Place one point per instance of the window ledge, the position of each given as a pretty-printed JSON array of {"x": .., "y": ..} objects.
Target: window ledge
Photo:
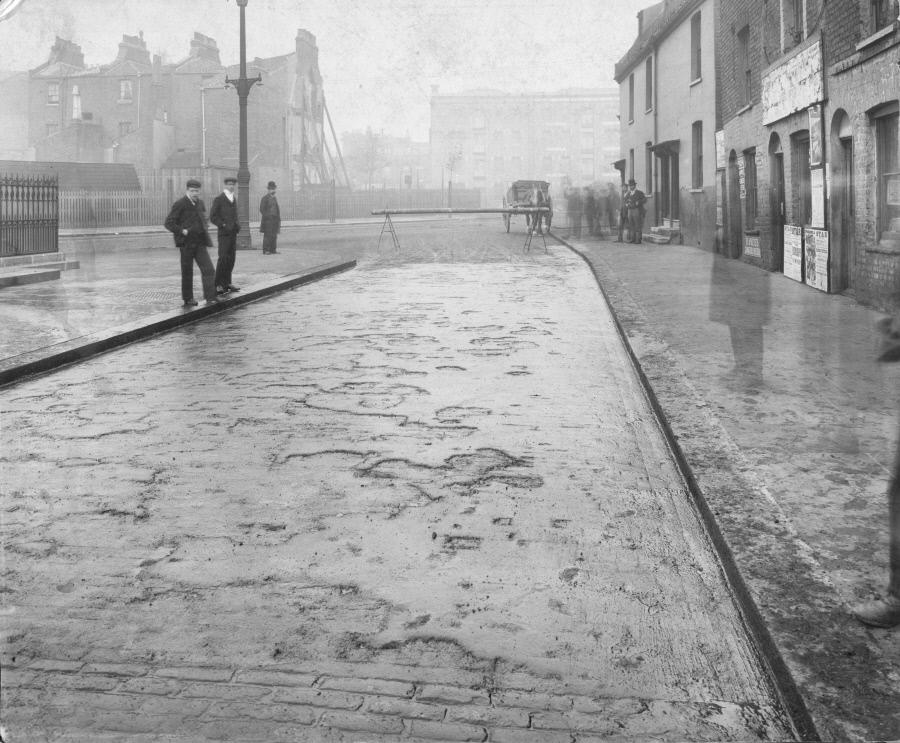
[
  {"x": 880, "y": 34},
  {"x": 696, "y": 82},
  {"x": 884, "y": 248},
  {"x": 52, "y": 103},
  {"x": 695, "y": 190},
  {"x": 744, "y": 110},
  {"x": 751, "y": 233},
  {"x": 125, "y": 100}
]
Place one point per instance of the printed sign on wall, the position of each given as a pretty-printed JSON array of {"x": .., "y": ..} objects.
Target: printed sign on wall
[
  {"x": 793, "y": 252},
  {"x": 815, "y": 245},
  {"x": 751, "y": 246},
  {"x": 817, "y": 196},
  {"x": 815, "y": 135},
  {"x": 720, "y": 150},
  {"x": 793, "y": 85}
]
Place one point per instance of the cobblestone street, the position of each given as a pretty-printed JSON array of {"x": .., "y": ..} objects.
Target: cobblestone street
[{"x": 426, "y": 499}]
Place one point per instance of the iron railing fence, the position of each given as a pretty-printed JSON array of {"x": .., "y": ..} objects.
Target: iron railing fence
[{"x": 29, "y": 215}]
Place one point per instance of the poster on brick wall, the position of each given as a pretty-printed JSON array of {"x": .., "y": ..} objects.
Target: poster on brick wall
[
  {"x": 751, "y": 246},
  {"x": 793, "y": 252},
  {"x": 815, "y": 246},
  {"x": 817, "y": 196}
]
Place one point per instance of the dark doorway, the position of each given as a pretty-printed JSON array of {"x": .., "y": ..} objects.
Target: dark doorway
[{"x": 776, "y": 202}]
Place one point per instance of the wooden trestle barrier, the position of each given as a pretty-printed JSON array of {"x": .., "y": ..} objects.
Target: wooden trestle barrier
[{"x": 389, "y": 224}]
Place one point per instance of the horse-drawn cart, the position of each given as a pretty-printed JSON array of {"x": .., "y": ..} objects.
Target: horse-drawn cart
[{"x": 528, "y": 193}]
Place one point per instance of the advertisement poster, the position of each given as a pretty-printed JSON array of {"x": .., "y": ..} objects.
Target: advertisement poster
[
  {"x": 721, "y": 161},
  {"x": 815, "y": 135},
  {"x": 793, "y": 85},
  {"x": 751, "y": 246},
  {"x": 817, "y": 196},
  {"x": 815, "y": 244},
  {"x": 793, "y": 252},
  {"x": 893, "y": 191}
]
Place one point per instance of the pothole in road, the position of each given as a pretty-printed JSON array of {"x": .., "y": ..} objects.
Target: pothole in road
[{"x": 456, "y": 542}]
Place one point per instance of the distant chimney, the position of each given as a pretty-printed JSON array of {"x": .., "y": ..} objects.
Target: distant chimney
[
  {"x": 307, "y": 52},
  {"x": 67, "y": 52},
  {"x": 640, "y": 17},
  {"x": 133, "y": 49},
  {"x": 205, "y": 47}
]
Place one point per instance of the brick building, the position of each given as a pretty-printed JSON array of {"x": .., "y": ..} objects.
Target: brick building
[
  {"x": 807, "y": 155},
  {"x": 667, "y": 115},
  {"x": 170, "y": 120},
  {"x": 489, "y": 139}
]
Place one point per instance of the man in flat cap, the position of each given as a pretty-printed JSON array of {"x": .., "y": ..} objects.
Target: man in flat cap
[
  {"x": 187, "y": 222},
  {"x": 224, "y": 215},
  {"x": 270, "y": 220}
]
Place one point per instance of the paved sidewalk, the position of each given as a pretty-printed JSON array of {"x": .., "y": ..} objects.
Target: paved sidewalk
[
  {"x": 127, "y": 274},
  {"x": 417, "y": 501},
  {"x": 788, "y": 425}
]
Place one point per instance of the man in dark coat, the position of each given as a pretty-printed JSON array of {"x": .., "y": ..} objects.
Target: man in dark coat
[
  {"x": 270, "y": 220},
  {"x": 634, "y": 203},
  {"x": 187, "y": 222},
  {"x": 224, "y": 215}
]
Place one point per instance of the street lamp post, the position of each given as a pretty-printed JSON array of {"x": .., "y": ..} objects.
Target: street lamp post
[{"x": 242, "y": 85}]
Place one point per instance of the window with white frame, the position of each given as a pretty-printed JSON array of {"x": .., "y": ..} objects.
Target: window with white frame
[
  {"x": 696, "y": 48},
  {"x": 648, "y": 84},
  {"x": 697, "y": 154},
  {"x": 631, "y": 97},
  {"x": 52, "y": 93},
  {"x": 126, "y": 93}
]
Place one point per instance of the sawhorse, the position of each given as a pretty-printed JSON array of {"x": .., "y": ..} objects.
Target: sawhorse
[
  {"x": 389, "y": 225},
  {"x": 529, "y": 238}
]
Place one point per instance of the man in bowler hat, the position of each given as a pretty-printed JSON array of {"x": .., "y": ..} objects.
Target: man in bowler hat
[
  {"x": 634, "y": 203},
  {"x": 224, "y": 215},
  {"x": 270, "y": 221},
  {"x": 187, "y": 222}
]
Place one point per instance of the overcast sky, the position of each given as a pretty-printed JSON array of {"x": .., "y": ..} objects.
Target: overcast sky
[{"x": 379, "y": 58}]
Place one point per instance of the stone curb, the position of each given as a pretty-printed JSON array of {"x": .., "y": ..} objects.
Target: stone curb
[
  {"x": 783, "y": 680},
  {"x": 47, "y": 359}
]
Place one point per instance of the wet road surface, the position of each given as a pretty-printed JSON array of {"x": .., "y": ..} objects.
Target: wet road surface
[{"x": 424, "y": 499}]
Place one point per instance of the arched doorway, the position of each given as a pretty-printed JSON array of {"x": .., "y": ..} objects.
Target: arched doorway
[
  {"x": 776, "y": 201},
  {"x": 735, "y": 218},
  {"x": 842, "y": 203}
]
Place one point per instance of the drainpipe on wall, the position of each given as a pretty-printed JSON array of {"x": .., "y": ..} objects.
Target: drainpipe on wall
[{"x": 655, "y": 185}]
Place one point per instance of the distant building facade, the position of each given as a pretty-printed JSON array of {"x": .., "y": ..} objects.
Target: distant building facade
[
  {"x": 14, "y": 142},
  {"x": 487, "y": 139},
  {"x": 181, "y": 117},
  {"x": 668, "y": 114}
]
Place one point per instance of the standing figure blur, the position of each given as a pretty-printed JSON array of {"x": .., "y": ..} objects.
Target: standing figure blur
[
  {"x": 634, "y": 203},
  {"x": 187, "y": 222},
  {"x": 885, "y": 612},
  {"x": 576, "y": 206},
  {"x": 613, "y": 207},
  {"x": 599, "y": 211},
  {"x": 270, "y": 220},
  {"x": 590, "y": 208},
  {"x": 224, "y": 215}
]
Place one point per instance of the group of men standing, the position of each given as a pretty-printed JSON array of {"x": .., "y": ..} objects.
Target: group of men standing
[
  {"x": 187, "y": 221},
  {"x": 597, "y": 206}
]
